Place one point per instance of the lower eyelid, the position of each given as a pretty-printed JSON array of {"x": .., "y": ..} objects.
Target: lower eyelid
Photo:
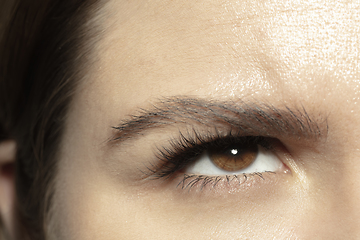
[
  {"x": 224, "y": 184},
  {"x": 217, "y": 186}
]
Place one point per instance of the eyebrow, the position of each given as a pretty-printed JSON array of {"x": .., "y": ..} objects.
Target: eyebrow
[{"x": 248, "y": 119}]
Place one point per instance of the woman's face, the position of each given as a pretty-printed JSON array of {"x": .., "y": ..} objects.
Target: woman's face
[{"x": 187, "y": 86}]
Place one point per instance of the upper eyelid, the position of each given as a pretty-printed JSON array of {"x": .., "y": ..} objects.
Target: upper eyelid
[{"x": 248, "y": 118}]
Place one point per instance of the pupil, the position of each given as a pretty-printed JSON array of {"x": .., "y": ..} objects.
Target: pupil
[{"x": 234, "y": 151}]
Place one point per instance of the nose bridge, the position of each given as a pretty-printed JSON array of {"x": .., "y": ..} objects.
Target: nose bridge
[
  {"x": 334, "y": 211},
  {"x": 346, "y": 204},
  {"x": 344, "y": 190},
  {"x": 350, "y": 183},
  {"x": 334, "y": 184}
]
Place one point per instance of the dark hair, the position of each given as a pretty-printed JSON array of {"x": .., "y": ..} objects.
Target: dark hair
[{"x": 43, "y": 54}]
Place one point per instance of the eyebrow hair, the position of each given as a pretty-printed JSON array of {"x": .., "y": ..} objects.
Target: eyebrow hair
[{"x": 248, "y": 119}]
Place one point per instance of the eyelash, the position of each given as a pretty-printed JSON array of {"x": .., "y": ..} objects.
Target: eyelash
[
  {"x": 189, "y": 181},
  {"x": 185, "y": 150}
]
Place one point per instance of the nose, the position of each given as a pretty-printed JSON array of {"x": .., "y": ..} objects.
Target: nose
[{"x": 334, "y": 187}]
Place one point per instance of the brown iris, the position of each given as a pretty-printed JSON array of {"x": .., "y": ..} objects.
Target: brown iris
[{"x": 234, "y": 158}]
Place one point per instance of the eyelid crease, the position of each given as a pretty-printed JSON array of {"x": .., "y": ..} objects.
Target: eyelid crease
[{"x": 248, "y": 118}]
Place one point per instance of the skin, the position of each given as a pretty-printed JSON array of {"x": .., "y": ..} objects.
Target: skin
[{"x": 286, "y": 53}]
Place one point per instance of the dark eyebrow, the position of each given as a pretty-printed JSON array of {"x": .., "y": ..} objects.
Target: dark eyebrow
[{"x": 246, "y": 118}]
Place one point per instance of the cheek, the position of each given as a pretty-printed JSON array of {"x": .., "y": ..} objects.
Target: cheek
[{"x": 93, "y": 204}]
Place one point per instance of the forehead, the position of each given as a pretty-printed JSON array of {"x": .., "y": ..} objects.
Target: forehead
[
  {"x": 230, "y": 47},
  {"x": 303, "y": 52}
]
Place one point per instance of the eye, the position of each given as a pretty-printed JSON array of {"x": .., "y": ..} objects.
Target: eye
[
  {"x": 196, "y": 157},
  {"x": 236, "y": 159}
]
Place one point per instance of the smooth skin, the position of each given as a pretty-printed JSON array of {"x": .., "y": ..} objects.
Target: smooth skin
[{"x": 300, "y": 54}]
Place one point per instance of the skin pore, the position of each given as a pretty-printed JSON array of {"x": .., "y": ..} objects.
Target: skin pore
[{"x": 293, "y": 56}]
